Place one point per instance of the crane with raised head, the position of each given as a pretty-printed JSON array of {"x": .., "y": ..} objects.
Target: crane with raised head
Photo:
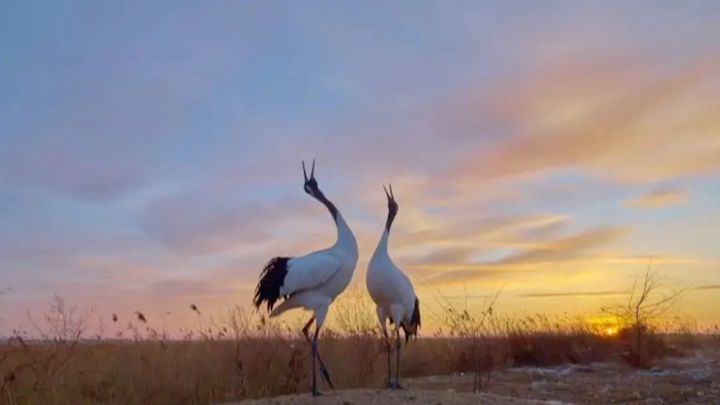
[
  {"x": 311, "y": 281},
  {"x": 393, "y": 294}
]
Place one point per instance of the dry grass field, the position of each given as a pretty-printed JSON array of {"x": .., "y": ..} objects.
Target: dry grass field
[{"x": 477, "y": 356}]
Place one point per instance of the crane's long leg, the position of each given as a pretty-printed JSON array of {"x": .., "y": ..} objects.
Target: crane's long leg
[
  {"x": 315, "y": 353},
  {"x": 397, "y": 367},
  {"x": 315, "y": 356},
  {"x": 382, "y": 320},
  {"x": 388, "y": 348}
]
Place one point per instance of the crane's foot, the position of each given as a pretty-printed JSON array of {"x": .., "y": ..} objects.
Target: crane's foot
[
  {"x": 389, "y": 385},
  {"x": 396, "y": 386},
  {"x": 316, "y": 393}
]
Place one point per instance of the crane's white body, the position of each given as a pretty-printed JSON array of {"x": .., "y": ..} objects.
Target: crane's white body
[
  {"x": 311, "y": 281},
  {"x": 389, "y": 287},
  {"x": 314, "y": 280}
]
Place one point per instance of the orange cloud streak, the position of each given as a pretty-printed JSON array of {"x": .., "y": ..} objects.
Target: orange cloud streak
[
  {"x": 659, "y": 198},
  {"x": 607, "y": 124}
]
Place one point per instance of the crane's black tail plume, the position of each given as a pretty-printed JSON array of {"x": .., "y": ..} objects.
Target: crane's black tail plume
[
  {"x": 411, "y": 330},
  {"x": 272, "y": 279}
]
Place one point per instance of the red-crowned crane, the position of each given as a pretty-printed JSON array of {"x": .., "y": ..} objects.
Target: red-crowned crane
[
  {"x": 392, "y": 292},
  {"x": 311, "y": 281}
]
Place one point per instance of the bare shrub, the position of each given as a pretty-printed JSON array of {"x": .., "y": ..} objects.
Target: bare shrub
[
  {"x": 470, "y": 328},
  {"x": 650, "y": 298},
  {"x": 32, "y": 369}
]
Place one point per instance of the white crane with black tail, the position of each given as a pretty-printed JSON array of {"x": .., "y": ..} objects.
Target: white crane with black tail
[
  {"x": 393, "y": 294},
  {"x": 311, "y": 281}
]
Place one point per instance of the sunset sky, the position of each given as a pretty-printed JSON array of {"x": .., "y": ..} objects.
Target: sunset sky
[{"x": 150, "y": 154}]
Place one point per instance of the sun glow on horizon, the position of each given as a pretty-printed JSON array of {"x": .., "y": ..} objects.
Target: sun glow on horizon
[
  {"x": 611, "y": 331},
  {"x": 605, "y": 324}
]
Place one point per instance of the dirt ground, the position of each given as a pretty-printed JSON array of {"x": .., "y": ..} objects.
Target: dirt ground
[
  {"x": 684, "y": 381},
  {"x": 404, "y": 397}
]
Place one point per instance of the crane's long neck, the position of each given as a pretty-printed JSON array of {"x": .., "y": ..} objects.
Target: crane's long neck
[
  {"x": 390, "y": 219},
  {"x": 329, "y": 205},
  {"x": 383, "y": 244},
  {"x": 345, "y": 238}
]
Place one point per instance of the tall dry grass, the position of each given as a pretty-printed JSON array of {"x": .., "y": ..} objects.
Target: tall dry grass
[{"x": 241, "y": 354}]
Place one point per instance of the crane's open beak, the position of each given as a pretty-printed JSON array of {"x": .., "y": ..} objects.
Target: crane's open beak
[
  {"x": 311, "y": 185},
  {"x": 312, "y": 171},
  {"x": 389, "y": 195}
]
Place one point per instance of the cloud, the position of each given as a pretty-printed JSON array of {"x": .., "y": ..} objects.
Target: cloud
[
  {"x": 570, "y": 246},
  {"x": 659, "y": 259},
  {"x": 659, "y": 198},
  {"x": 489, "y": 230},
  {"x": 60, "y": 252},
  {"x": 443, "y": 256},
  {"x": 198, "y": 223},
  {"x": 188, "y": 288},
  {"x": 709, "y": 287},
  {"x": 103, "y": 126},
  {"x": 98, "y": 146},
  {"x": 624, "y": 123},
  {"x": 120, "y": 270},
  {"x": 574, "y": 294},
  {"x": 549, "y": 257},
  {"x": 208, "y": 219}
]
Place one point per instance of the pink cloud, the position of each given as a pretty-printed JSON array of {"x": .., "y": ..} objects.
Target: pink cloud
[
  {"x": 188, "y": 288},
  {"x": 206, "y": 221}
]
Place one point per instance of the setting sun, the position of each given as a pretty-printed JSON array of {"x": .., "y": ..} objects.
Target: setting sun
[
  {"x": 605, "y": 324},
  {"x": 611, "y": 331}
]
